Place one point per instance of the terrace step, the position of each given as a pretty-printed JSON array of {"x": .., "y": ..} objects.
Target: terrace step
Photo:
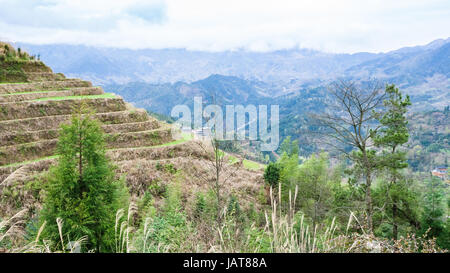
[
  {"x": 139, "y": 139},
  {"x": 7, "y": 171},
  {"x": 53, "y": 122},
  {"x": 35, "y": 66},
  {"x": 34, "y": 150},
  {"x": 77, "y": 91},
  {"x": 150, "y": 124},
  {"x": 44, "y": 76},
  {"x": 28, "y": 151},
  {"x": 15, "y": 138},
  {"x": 23, "y": 173},
  {"x": 20, "y": 110},
  {"x": 9, "y": 88},
  {"x": 185, "y": 149}
]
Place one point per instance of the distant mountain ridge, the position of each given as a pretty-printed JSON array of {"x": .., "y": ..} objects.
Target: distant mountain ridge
[
  {"x": 160, "y": 98},
  {"x": 160, "y": 79},
  {"x": 113, "y": 65},
  {"x": 106, "y": 65},
  {"x": 408, "y": 66}
]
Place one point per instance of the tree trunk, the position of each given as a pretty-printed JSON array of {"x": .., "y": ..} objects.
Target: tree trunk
[
  {"x": 315, "y": 215},
  {"x": 369, "y": 202},
  {"x": 394, "y": 205},
  {"x": 368, "y": 173},
  {"x": 394, "y": 221},
  {"x": 97, "y": 247},
  {"x": 218, "y": 166},
  {"x": 80, "y": 160},
  {"x": 80, "y": 163},
  {"x": 219, "y": 201}
]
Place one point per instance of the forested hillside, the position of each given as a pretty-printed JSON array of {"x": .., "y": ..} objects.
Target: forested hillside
[{"x": 430, "y": 140}]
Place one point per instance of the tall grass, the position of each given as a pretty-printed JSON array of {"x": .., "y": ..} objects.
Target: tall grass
[
  {"x": 11, "y": 231},
  {"x": 285, "y": 230},
  {"x": 9, "y": 228}
]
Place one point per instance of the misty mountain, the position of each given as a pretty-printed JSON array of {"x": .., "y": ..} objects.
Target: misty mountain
[
  {"x": 157, "y": 79},
  {"x": 106, "y": 65},
  {"x": 408, "y": 66}
]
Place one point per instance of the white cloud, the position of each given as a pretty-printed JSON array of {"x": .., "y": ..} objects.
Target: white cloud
[{"x": 329, "y": 25}]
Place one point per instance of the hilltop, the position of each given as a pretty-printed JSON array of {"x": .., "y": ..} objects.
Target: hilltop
[{"x": 34, "y": 101}]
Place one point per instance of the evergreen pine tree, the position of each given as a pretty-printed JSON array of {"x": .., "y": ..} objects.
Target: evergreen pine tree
[
  {"x": 391, "y": 136},
  {"x": 82, "y": 190},
  {"x": 433, "y": 222}
]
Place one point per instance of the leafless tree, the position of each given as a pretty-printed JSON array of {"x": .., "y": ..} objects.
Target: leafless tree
[
  {"x": 348, "y": 124},
  {"x": 217, "y": 164}
]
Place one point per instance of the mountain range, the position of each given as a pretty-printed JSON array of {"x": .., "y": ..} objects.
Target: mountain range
[
  {"x": 158, "y": 79},
  {"x": 172, "y": 65}
]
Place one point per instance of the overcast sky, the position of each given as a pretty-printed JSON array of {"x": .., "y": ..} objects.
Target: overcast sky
[{"x": 259, "y": 25}]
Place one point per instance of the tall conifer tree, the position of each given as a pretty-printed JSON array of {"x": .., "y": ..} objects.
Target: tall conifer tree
[
  {"x": 391, "y": 136},
  {"x": 82, "y": 190}
]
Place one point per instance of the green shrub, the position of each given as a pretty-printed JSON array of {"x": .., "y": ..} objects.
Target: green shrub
[
  {"x": 233, "y": 206},
  {"x": 200, "y": 205},
  {"x": 167, "y": 231},
  {"x": 272, "y": 174}
]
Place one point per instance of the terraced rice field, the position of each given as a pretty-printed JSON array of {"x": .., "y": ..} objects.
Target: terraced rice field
[
  {"x": 31, "y": 114},
  {"x": 30, "y": 117}
]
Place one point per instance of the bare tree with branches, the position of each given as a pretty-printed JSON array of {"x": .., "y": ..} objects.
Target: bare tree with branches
[
  {"x": 349, "y": 124},
  {"x": 217, "y": 163},
  {"x": 219, "y": 167}
]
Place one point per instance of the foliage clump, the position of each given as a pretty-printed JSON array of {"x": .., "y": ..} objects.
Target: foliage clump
[{"x": 272, "y": 174}]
